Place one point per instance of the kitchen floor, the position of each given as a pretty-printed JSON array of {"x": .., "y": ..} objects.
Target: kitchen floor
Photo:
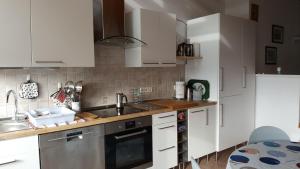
[{"x": 212, "y": 164}]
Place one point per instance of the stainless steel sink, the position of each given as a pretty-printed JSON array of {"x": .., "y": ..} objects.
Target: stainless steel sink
[{"x": 12, "y": 125}]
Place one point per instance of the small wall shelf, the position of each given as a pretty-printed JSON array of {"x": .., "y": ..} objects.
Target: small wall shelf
[{"x": 185, "y": 58}]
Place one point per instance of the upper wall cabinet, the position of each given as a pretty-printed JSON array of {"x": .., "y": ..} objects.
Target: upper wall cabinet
[
  {"x": 15, "y": 47},
  {"x": 158, "y": 30},
  {"x": 62, "y": 33}
]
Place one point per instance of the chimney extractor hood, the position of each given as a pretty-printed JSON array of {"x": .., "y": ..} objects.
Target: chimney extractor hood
[{"x": 109, "y": 25}]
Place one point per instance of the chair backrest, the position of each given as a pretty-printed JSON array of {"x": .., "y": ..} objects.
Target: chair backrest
[
  {"x": 267, "y": 133},
  {"x": 194, "y": 164}
]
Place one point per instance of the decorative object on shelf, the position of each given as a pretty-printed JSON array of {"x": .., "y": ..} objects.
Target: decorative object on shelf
[
  {"x": 277, "y": 34},
  {"x": 181, "y": 49},
  {"x": 270, "y": 55},
  {"x": 29, "y": 89},
  {"x": 254, "y": 12},
  {"x": 199, "y": 88}
]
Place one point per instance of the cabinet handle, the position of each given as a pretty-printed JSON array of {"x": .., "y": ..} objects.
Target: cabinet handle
[
  {"x": 222, "y": 79},
  {"x": 49, "y": 61},
  {"x": 199, "y": 111},
  {"x": 171, "y": 63},
  {"x": 207, "y": 118},
  {"x": 166, "y": 127},
  {"x": 222, "y": 114},
  {"x": 163, "y": 117},
  {"x": 150, "y": 63},
  {"x": 244, "y": 83},
  {"x": 131, "y": 135},
  {"x": 167, "y": 149},
  {"x": 7, "y": 161}
]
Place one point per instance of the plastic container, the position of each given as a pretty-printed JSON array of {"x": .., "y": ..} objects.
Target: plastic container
[{"x": 49, "y": 116}]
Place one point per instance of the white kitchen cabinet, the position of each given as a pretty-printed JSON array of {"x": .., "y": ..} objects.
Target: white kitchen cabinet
[
  {"x": 278, "y": 103},
  {"x": 201, "y": 131},
  {"x": 22, "y": 153},
  {"x": 227, "y": 45},
  {"x": 232, "y": 122},
  {"x": 231, "y": 30},
  {"x": 15, "y": 45},
  {"x": 158, "y": 30},
  {"x": 164, "y": 141},
  {"x": 62, "y": 33}
]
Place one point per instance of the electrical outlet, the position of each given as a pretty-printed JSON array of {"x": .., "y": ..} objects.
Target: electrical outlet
[{"x": 146, "y": 89}]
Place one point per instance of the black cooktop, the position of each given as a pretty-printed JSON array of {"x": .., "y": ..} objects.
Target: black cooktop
[{"x": 113, "y": 111}]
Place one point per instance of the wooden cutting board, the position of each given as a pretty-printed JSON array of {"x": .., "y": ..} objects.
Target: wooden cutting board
[{"x": 87, "y": 116}]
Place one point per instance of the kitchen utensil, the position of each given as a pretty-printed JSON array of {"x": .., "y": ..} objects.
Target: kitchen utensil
[
  {"x": 188, "y": 94},
  {"x": 78, "y": 86},
  {"x": 119, "y": 100},
  {"x": 29, "y": 89},
  {"x": 76, "y": 106},
  {"x": 69, "y": 87}
]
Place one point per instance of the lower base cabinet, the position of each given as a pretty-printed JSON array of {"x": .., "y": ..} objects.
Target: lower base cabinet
[
  {"x": 22, "y": 153},
  {"x": 201, "y": 131},
  {"x": 165, "y": 141}
]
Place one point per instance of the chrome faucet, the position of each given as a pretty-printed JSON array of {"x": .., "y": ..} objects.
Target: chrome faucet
[{"x": 16, "y": 102}]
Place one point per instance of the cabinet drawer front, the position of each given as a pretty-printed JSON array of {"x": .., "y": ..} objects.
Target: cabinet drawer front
[
  {"x": 21, "y": 161},
  {"x": 164, "y": 136},
  {"x": 19, "y": 146},
  {"x": 164, "y": 118},
  {"x": 197, "y": 110},
  {"x": 165, "y": 159}
]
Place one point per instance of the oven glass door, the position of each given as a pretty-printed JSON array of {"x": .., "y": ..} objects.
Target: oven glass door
[{"x": 128, "y": 149}]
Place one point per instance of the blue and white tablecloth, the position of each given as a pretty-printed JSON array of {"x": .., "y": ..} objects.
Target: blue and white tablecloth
[{"x": 266, "y": 155}]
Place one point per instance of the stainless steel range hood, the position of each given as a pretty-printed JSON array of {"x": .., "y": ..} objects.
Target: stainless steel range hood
[{"x": 109, "y": 25}]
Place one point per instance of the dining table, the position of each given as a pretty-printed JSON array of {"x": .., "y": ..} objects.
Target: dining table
[{"x": 266, "y": 155}]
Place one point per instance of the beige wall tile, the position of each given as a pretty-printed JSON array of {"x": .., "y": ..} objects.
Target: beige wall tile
[{"x": 100, "y": 83}]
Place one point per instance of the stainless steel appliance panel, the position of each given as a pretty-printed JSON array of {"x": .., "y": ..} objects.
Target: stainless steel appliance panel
[{"x": 81, "y": 148}]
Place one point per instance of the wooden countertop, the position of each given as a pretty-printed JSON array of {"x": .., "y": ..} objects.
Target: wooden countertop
[{"x": 170, "y": 105}]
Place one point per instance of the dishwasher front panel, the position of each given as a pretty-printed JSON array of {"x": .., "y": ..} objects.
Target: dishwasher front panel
[{"x": 81, "y": 148}]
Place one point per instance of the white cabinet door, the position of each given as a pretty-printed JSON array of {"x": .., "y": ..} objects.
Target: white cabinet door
[
  {"x": 167, "y": 39},
  {"x": 14, "y": 155},
  {"x": 230, "y": 56},
  {"x": 15, "y": 46},
  {"x": 62, "y": 33},
  {"x": 158, "y": 30},
  {"x": 231, "y": 122},
  {"x": 165, "y": 145},
  {"x": 201, "y": 131},
  {"x": 150, "y": 34},
  {"x": 249, "y": 48}
]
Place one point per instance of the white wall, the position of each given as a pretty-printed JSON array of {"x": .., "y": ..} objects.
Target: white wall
[
  {"x": 240, "y": 8},
  {"x": 285, "y": 13},
  {"x": 184, "y": 9}
]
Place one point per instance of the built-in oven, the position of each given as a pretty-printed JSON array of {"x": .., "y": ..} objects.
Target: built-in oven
[{"x": 128, "y": 144}]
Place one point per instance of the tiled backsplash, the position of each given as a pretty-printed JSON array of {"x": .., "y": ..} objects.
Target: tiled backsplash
[{"x": 100, "y": 83}]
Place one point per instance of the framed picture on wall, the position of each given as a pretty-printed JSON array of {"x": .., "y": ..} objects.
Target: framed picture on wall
[
  {"x": 254, "y": 12},
  {"x": 277, "y": 34},
  {"x": 270, "y": 55}
]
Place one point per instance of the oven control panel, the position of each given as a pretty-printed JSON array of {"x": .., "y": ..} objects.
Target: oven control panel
[{"x": 120, "y": 126}]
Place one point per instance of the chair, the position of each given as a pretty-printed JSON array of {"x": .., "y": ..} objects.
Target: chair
[
  {"x": 194, "y": 164},
  {"x": 267, "y": 133}
]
